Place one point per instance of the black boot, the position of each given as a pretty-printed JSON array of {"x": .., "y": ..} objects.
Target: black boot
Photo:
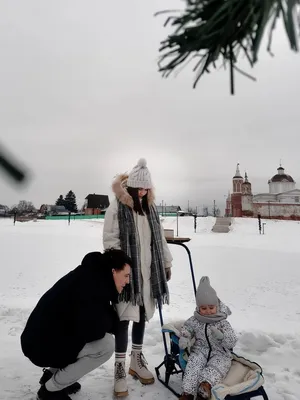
[
  {"x": 74, "y": 388},
  {"x": 44, "y": 394}
]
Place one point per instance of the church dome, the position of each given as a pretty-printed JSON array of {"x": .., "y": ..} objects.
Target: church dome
[{"x": 281, "y": 176}]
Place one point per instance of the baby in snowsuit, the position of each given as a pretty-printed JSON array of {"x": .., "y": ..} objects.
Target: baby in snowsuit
[{"x": 210, "y": 358}]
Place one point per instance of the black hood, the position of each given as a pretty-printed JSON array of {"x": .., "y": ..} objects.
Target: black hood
[
  {"x": 100, "y": 271},
  {"x": 94, "y": 258}
]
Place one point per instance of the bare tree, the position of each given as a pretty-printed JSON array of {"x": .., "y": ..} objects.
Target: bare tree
[
  {"x": 215, "y": 210},
  {"x": 205, "y": 211},
  {"x": 24, "y": 207}
]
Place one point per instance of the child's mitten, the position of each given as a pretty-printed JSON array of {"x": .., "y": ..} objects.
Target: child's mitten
[
  {"x": 184, "y": 343},
  {"x": 217, "y": 334}
]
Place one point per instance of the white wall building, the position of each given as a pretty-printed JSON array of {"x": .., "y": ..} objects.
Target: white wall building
[{"x": 282, "y": 189}]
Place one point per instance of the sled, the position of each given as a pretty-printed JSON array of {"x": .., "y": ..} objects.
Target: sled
[{"x": 245, "y": 378}]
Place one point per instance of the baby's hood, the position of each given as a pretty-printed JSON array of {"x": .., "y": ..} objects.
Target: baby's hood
[{"x": 224, "y": 309}]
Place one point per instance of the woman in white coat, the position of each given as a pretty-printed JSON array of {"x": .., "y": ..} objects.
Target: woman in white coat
[{"x": 132, "y": 224}]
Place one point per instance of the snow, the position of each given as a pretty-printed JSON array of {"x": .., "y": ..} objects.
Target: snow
[{"x": 256, "y": 275}]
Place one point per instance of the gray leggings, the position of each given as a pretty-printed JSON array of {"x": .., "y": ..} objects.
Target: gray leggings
[{"x": 137, "y": 335}]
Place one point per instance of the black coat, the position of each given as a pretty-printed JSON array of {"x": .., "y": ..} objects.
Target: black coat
[{"x": 76, "y": 310}]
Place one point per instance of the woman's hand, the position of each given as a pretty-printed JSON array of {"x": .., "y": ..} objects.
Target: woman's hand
[{"x": 168, "y": 273}]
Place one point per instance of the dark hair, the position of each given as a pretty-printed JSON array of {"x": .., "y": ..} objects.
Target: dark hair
[
  {"x": 140, "y": 207},
  {"x": 117, "y": 258}
]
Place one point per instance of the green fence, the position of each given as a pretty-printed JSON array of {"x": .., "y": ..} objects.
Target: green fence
[
  {"x": 101, "y": 216},
  {"x": 74, "y": 217}
]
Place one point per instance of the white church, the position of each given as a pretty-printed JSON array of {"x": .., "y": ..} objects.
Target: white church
[
  {"x": 282, "y": 189},
  {"x": 281, "y": 202}
]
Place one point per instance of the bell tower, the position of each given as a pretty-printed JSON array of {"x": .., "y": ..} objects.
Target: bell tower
[
  {"x": 247, "y": 198},
  {"x": 236, "y": 197},
  {"x": 246, "y": 186},
  {"x": 237, "y": 180}
]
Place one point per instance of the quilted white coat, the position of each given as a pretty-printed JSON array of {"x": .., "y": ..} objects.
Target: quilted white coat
[{"x": 111, "y": 239}]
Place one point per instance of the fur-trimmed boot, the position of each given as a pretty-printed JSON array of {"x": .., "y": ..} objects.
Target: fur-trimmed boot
[{"x": 138, "y": 366}]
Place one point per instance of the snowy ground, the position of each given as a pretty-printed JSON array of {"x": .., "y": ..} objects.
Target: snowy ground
[{"x": 257, "y": 276}]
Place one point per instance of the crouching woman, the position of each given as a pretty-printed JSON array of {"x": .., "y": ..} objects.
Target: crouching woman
[{"x": 69, "y": 332}]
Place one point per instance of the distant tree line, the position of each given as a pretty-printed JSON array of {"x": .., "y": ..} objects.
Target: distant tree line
[
  {"x": 69, "y": 201},
  {"x": 25, "y": 207}
]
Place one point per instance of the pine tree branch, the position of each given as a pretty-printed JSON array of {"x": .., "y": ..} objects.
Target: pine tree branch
[{"x": 219, "y": 30}]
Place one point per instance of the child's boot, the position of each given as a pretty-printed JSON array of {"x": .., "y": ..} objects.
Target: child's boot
[
  {"x": 205, "y": 390},
  {"x": 186, "y": 396}
]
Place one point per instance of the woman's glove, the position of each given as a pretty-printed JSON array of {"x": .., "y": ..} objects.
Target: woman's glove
[{"x": 168, "y": 273}]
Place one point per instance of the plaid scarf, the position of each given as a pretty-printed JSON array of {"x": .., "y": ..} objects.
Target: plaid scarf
[{"x": 130, "y": 244}]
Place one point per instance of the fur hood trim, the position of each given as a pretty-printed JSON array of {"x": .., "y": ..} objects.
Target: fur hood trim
[{"x": 119, "y": 187}]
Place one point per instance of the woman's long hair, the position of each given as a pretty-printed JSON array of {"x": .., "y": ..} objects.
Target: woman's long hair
[{"x": 140, "y": 207}]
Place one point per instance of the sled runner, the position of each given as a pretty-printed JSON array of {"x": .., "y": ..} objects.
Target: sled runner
[{"x": 244, "y": 380}]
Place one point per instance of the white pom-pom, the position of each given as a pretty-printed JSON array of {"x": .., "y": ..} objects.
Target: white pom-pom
[{"x": 142, "y": 162}]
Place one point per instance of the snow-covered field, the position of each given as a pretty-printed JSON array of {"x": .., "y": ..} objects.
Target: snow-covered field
[{"x": 258, "y": 276}]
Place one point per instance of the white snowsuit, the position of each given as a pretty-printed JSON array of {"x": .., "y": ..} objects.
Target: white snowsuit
[{"x": 210, "y": 359}]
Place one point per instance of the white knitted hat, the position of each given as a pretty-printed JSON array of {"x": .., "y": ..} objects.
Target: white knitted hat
[{"x": 140, "y": 176}]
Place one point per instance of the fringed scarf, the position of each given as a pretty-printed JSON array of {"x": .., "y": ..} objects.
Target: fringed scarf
[{"x": 130, "y": 244}]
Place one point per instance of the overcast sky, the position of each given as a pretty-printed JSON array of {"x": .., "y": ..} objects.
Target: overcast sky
[{"x": 81, "y": 100}]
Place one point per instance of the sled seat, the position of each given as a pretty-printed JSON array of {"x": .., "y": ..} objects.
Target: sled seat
[{"x": 244, "y": 380}]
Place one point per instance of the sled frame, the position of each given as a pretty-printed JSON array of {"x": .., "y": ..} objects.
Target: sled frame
[{"x": 171, "y": 362}]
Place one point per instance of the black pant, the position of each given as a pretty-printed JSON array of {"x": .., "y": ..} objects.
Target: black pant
[{"x": 137, "y": 335}]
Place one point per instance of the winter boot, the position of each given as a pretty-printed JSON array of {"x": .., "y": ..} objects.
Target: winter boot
[
  {"x": 138, "y": 368},
  {"x": 44, "y": 394},
  {"x": 204, "y": 390},
  {"x": 186, "y": 396},
  {"x": 120, "y": 387},
  {"x": 47, "y": 375}
]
